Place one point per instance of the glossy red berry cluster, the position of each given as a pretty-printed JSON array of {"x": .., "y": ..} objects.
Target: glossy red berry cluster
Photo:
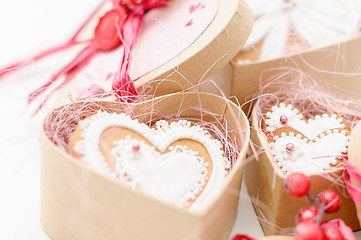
[{"x": 309, "y": 219}]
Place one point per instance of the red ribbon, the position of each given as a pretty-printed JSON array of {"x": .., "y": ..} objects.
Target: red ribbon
[
  {"x": 126, "y": 18},
  {"x": 69, "y": 68},
  {"x": 106, "y": 38},
  {"x": 122, "y": 85},
  {"x": 352, "y": 172},
  {"x": 74, "y": 66},
  {"x": 71, "y": 42}
]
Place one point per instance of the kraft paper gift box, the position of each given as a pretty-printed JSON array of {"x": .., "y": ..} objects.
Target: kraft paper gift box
[
  {"x": 79, "y": 203},
  {"x": 335, "y": 67},
  {"x": 265, "y": 183}
]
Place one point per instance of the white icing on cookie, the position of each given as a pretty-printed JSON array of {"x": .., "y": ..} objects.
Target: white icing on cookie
[
  {"x": 295, "y": 119},
  {"x": 316, "y": 23},
  {"x": 309, "y": 157},
  {"x": 176, "y": 176}
]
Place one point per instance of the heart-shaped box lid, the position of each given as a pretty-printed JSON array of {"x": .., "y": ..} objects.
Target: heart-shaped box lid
[
  {"x": 80, "y": 203},
  {"x": 214, "y": 48},
  {"x": 213, "y": 45}
]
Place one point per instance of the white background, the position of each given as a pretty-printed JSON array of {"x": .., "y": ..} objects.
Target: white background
[{"x": 27, "y": 26}]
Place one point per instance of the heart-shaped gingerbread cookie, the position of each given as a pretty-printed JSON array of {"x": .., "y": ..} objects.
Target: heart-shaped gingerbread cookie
[{"x": 174, "y": 161}]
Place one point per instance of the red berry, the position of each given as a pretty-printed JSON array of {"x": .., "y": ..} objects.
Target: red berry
[
  {"x": 332, "y": 232},
  {"x": 242, "y": 237},
  {"x": 297, "y": 184},
  {"x": 329, "y": 200},
  {"x": 308, "y": 231},
  {"x": 307, "y": 214}
]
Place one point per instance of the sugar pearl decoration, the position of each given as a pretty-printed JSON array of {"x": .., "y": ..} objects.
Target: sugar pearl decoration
[
  {"x": 283, "y": 119},
  {"x": 136, "y": 147},
  {"x": 290, "y": 147}
]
